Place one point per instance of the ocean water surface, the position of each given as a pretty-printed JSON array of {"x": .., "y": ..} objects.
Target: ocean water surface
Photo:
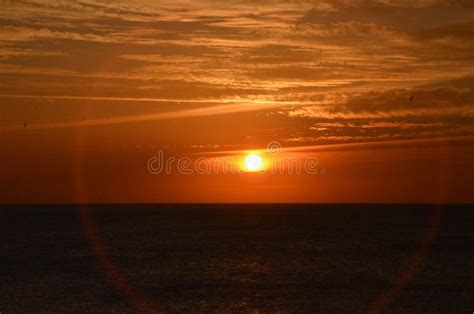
[{"x": 237, "y": 259}]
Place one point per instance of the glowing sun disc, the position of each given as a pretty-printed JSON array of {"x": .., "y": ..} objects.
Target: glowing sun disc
[{"x": 253, "y": 163}]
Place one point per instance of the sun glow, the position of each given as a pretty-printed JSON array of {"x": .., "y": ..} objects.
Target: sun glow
[{"x": 253, "y": 163}]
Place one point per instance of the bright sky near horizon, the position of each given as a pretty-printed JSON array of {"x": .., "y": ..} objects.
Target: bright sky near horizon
[{"x": 98, "y": 87}]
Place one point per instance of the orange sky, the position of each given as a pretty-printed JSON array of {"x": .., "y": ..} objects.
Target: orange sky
[{"x": 381, "y": 92}]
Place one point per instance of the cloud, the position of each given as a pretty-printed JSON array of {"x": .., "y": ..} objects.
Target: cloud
[
  {"x": 442, "y": 109},
  {"x": 411, "y": 100},
  {"x": 463, "y": 31},
  {"x": 12, "y": 33},
  {"x": 395, "y": 103},
  {"x": 374, "y": 63},
  {"x": 179, "y": 114}
]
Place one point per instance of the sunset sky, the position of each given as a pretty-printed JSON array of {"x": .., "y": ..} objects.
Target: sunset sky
[{"x": 380, "y": 92}]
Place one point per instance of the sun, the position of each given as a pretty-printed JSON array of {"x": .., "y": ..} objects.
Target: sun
[{"x": 253, "y": 163}]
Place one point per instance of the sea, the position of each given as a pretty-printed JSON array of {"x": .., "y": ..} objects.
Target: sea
[{"x": 237, "y": 258}]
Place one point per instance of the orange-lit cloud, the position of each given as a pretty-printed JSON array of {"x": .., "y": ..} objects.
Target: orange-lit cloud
[{"x": 137, "y": 75}]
